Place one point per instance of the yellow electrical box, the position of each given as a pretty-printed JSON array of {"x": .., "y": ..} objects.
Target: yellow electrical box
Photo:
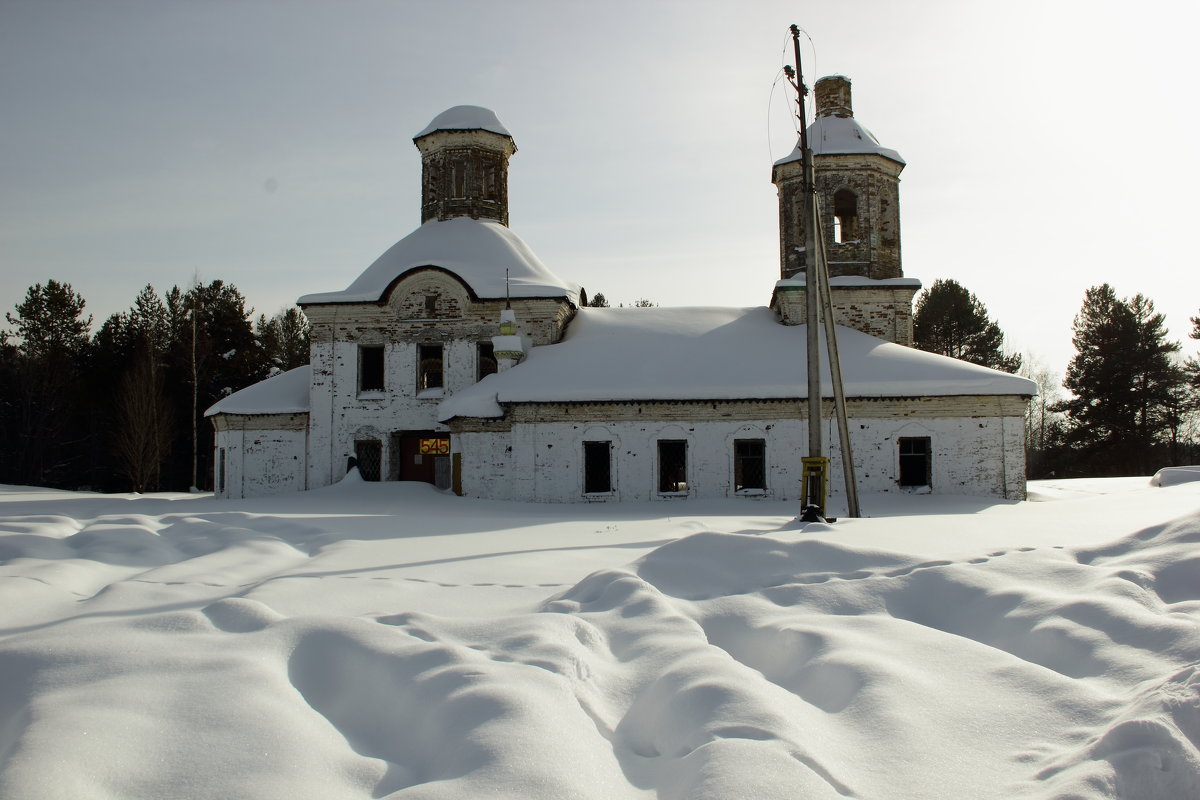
[{"x": 816, "y": 482}]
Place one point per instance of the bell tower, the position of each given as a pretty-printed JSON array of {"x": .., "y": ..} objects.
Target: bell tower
[
  {"x": 464, "y": 165},
  {"x": 858, "y": 192}
]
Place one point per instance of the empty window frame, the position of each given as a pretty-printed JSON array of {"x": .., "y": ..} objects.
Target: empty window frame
[
  {"x": 672, "y": 465},
  {"x": 370, "y": 368},
  {"x": 485, "y": 356},
  {"x": 915, "y": 460},
  {"x": 597, "y": 467},
  {"x": 429, "y": 367},
  {"x": 369, "y": 453},
  {"x": 845, "y": 216},
  {"x": 749, "y": 464}
]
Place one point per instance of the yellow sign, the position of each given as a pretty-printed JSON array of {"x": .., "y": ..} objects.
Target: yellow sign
[{"x": 435, "y": 447}]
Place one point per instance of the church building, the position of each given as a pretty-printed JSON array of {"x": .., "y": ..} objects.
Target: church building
[{"x": 459, "y": 359}]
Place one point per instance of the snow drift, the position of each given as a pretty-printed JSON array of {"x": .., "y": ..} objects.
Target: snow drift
[{"x": 376, "y": 640}]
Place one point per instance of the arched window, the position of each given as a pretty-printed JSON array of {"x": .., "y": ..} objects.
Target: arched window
[{"x": 845, "y": 216}]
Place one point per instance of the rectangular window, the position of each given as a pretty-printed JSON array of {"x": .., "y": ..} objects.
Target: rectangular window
[
  {"x": 221, "y": 472},
  {"x": 370, "y": 368},
  {"x": 369, "y": 454},
  {"x": 672, "y": 465},
  {"x": 749, "y": 464},
  {"x": 429, "y": 367},
  {"x": 915, "y": 458},
  {"x": 486, "y": 358},
  {"x": 597, "y": 467}
]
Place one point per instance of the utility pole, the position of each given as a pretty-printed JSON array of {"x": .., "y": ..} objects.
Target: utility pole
[{"x": 818, "y": 303}]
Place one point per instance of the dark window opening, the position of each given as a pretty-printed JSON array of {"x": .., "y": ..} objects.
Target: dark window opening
[
  {"x": 458, "y": 180},
  {"x": 429, "y": 370},
  {"x": 915, "y": 460},
  {"x": 597, "y": 467},
  {"x": 486, "y": 355},
  {"x": 431, "y": 304},
  {"x": 370, "y": 368},
  {"x": 845, "y": 216},
  {"x": 749, "y": 464},
  {"x": 221, "y": 472},
  {"x": 369, "y": 453},
  {"x": 672, "y": 465}
]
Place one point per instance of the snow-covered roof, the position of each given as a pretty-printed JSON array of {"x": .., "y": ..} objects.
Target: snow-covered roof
[
  {"x": 478, "y": 251},
  {"x": 285, "y": 393},
  {"x": 465, "y": 118},
  {"x": 834, "y": 135},
  {"x": 615, "y": 354}
]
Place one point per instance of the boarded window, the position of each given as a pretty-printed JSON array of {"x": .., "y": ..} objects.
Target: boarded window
[
  {"x": 486, "y": 359},
  {"x": 597, "y": 467},
  {"x": 370, "y": 368},
  {"x": 672, "y": 465},
  {"x": 749, "y": 464},
  {"x": 429, "y": 370},
  {"x": 369, "y": 453},
  {"x": 915, "y": 458}
]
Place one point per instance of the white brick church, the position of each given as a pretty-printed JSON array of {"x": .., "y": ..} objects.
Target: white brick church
[{"x": 459, "y": 359}]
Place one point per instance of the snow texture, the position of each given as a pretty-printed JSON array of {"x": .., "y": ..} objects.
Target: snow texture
[
  {"x": 373, "y": 640},
  {"x": 285, "y": 393},
  {"x": 715, "y": 353},
  {"x": 465, "y": 118},
  {"x": 478, "y": 251},
  {"x": 834, "y": 135}
]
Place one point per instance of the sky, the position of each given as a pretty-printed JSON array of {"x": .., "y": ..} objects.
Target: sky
[{"x": 268, "y": 144}]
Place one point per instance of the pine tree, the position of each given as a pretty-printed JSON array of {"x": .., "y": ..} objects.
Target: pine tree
[
  {"x": 284, "y": 339},
  {"x": 1192, "y": 366},
  {"x": 598, "y": 300},
  {"x": 51, "y": 335},
  {"x": 1125, "y": 381},
  {"x": 951, "y": 321}
]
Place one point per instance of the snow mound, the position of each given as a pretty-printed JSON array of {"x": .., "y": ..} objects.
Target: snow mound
[{"x": 1172, "y": 476}]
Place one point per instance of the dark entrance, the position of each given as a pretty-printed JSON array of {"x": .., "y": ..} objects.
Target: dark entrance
[{"x": 422, "y": 456}]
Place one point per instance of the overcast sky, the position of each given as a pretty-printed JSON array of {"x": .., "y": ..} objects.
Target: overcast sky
[{"x": 269, "y": 144}]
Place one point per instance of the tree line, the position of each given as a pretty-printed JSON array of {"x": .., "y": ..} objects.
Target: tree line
[
  {"x": 122, "y": 409},
  {"x": 1131, "y": 403}
]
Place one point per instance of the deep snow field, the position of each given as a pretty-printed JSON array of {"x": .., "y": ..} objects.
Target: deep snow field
[{"x": 388, "y": 640}]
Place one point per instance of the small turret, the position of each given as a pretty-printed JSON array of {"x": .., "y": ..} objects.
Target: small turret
[
  {"x": 509, "y": 347},
  {"x": 464, "y": 165}
]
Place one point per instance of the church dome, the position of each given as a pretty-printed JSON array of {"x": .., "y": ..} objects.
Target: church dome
[{"x": 477, "y": 251}]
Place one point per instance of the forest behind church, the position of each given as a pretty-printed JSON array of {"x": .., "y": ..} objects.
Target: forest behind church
[{"x": 118, "y": 406}]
